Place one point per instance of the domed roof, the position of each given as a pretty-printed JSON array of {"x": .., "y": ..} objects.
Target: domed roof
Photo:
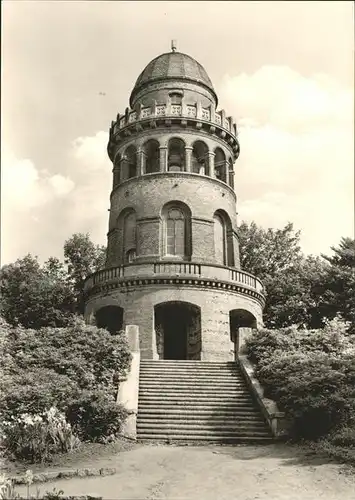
[{"x": 173, "y": 65}]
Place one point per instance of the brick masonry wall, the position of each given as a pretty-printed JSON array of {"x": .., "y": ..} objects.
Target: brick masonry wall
[
  {"x": 159, "y": 93},
  {"x": 215, "y": 305},
  {"x": 147, "y": 196}
]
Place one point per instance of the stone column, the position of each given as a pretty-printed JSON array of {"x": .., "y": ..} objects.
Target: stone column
[
  {"x": 123, "y": 169},
  {"x": 188, "y": 158},
  {"x": 116, "y": 176},
  {"x": 141, "y": 162},
  {"x": 163, "y": 159},
  {"x": 210, "y": 164},
  {"x": 231, "y": 178}
]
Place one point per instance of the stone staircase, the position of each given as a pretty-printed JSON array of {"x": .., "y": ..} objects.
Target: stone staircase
[{"x": 197, "y": 401}]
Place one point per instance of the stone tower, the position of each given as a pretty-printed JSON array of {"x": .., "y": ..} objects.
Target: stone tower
[{"x": 173, "y": 264}]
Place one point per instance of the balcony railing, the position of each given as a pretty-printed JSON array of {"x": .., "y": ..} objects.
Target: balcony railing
[
  {"x": 195, "y": 111},
  {"x": 173, "y": 270}
]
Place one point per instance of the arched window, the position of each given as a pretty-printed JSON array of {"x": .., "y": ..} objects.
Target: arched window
[
  {"x": 177, "y": 230},
  {"x": 129, "y": 237},
  {"x": 176, "y": 155},
  {"x": 199, "y": 157},
  {"x": 219, "y": 239},
  {"x": 131, "y": 162},
  {"x": 220, "y": 165},
  {"x": 130, "y": 255},
  {"x": 151, "y": 151},
  {"x": 175, "y": 233},
  {"x": 176, "y": 97},
  {"x": 223, "y": 239}
]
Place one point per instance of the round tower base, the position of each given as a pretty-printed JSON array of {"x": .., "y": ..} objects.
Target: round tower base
[{"x": 178, "y": 322}]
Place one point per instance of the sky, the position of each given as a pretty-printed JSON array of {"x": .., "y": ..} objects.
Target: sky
[{"x": 283, "y": 70}]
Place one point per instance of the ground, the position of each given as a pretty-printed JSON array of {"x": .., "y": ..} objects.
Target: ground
[{"x": 276, "y": 471}]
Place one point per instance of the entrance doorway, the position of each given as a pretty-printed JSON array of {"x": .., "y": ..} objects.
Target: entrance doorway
[
  {"x": 110, "y": 318},
  {"x": 178, "y": 330},
  {"x": 241, "y": 324}
]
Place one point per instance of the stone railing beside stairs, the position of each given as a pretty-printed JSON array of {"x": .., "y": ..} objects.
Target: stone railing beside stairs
[{"x": 129, "y": 386}]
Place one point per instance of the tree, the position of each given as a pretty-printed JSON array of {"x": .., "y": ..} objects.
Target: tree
[
  {"x": 265, "y": 252},
  {"x": 35, "y": 296},
  {"x": 294, "y": 296},
  {"x": 83, "y": 258},
  {"x": 338, "y": 294},
  {"x": 299, "y": 290},
  {"x": 344, "y": 254}
]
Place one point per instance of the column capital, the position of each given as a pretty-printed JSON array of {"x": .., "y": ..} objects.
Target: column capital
[{"x": 188, "y": 148}]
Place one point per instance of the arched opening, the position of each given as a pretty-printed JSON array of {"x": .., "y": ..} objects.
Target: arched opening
[
  {"x": 110, "y": 318},
  {"x": 178, "y": 330},
  {"x": 151, "y": 151},
  {"x": 241, "y": 324},
  {"x": 176, "y": 155},
  {"x": 220, "y": 240},
  {"x": 126, "y": 223},
  {"x": 223, "y": 239},
  {"x": 220, "y": 165},
  {"x": 176, "y": 97},
  {"x": 177, "y": 230},
  {"x": 199, "y": 158},
  {"x": 131, "y": 161}
]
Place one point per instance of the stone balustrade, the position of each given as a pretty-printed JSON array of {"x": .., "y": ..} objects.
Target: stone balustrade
[
  {"x": 193, "y": 111},
  {"x": 189, "y": 272}
]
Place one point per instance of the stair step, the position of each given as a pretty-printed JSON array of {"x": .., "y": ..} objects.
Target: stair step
[
  {"x": 202, "y": 405},
  {"x": 166, "y": 392},
  {"x": 186, "y": 399},
  {"x": 172, "y": 410},
  {"x": 186, "y": 439},
  {"x": 204, "y": 398},
  {"x": 196, "y": 401},
  {"x": 199, "y": 421},
  {"x": 161, "y": 362},
  {"x": 193, "y": 366},
  {"x": 179, "y": 423},
  {"x": 202, "y": 432},
  {"x": 192, "y": 381},
  {"x": 247, "y": 416}
]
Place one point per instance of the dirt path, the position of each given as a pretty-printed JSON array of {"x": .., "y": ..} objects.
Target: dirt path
[{"x": 277, "y": 472}]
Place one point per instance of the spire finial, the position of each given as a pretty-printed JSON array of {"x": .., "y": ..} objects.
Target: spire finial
[{"x": 173, "y": 45}]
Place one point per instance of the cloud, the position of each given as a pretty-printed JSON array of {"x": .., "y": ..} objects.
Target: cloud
[
  {"x": 25, "y": 187},
  {"x": 89, "y": 202},
  {"x": 91, "y": 150},
  {"x": 297, "y": 152},
  {"x": 29, "y": 196}
]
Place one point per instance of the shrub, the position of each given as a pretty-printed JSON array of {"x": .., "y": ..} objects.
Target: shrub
[
  {"x": 310, "y": 373},
  {"x": 344, "y": 436},
  {"x": 95, "y": 415},
  {"x": 33, "y": 391},
  {"x": 332, "y": 339},
  {"x": 37, "y": 438},
  {"x": 75, "y": 369}
]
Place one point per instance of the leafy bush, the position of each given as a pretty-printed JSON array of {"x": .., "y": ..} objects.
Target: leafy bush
[
  {"x": 310, "y": 373},
  {"x": 96, "y": 415},
  {"x": 332, "y": 339},
  {"x": 37, "y": 438},
  {"x": 75, "y": 369}
]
